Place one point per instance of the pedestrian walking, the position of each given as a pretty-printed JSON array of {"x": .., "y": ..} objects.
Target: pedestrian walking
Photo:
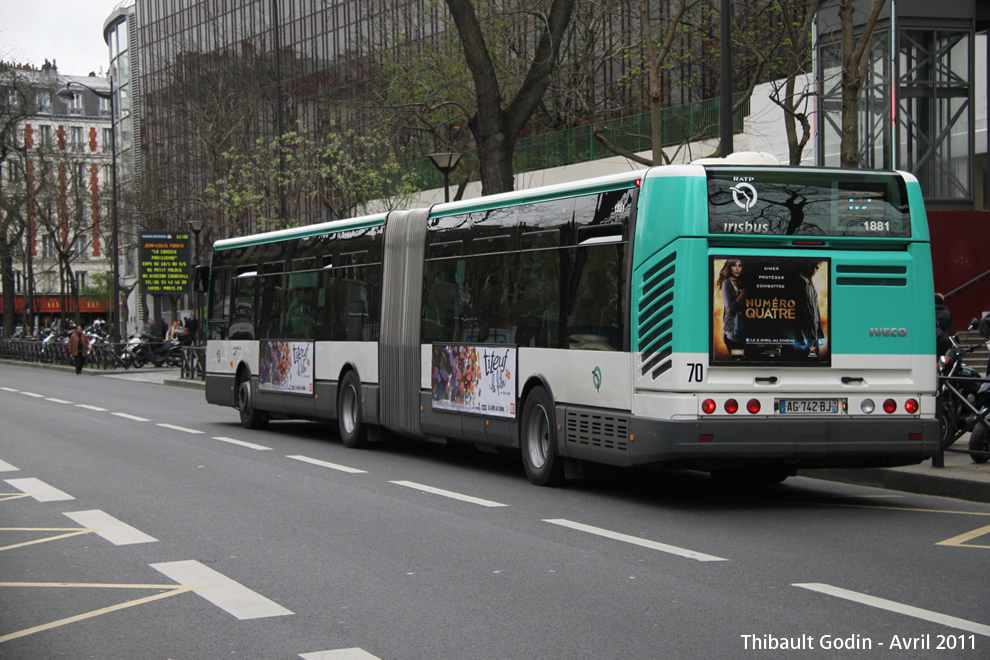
[
  {"x": 78, "y": 348},
  {"x": 943, "y": 325}
]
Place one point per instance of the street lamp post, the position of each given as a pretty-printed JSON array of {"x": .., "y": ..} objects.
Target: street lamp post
[
  {"x": 197, "y": 226},
  {"x": 446, "y": 162},
  {"x": 66, "y": 93}
]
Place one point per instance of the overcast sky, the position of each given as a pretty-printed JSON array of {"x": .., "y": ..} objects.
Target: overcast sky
[{"x": 67, "y": 31}]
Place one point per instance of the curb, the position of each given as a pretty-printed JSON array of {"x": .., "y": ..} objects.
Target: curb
[{"x": 957, "y": 487}]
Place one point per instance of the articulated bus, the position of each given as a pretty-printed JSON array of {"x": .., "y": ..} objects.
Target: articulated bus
[{"x": 745, "y": 320}]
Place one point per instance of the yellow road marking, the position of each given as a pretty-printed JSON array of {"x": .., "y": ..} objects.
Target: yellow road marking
[
  {"x": 170, "y": 590},
  {"x": 71, "y": 531},
  {"x": 13, "y": 496},
  {"x": 960, "y": 541}
]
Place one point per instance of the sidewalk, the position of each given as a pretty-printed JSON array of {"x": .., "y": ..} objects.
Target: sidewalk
[{"x": 961, "y": 478}]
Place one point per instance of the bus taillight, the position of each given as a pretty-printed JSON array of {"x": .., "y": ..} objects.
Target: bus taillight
[
  {"x": 911, "y": 406},
  {"x": 731, "y": 406},
  {"x": 753, "y": 406},
  {"x": 708, "y": 406},
  {"x": 889, "y": 406}
]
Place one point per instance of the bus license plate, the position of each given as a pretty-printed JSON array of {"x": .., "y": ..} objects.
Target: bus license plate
[{"x": 809, "y": 407}]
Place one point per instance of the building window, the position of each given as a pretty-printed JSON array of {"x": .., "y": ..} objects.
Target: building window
[
  {"x": 75, "y": 106},
  {"x": 107, "y": 140},
  {"x": 47, "y": 247},
  {"x": 46, "y": 136},
  {"x": 105, "y": 107},
  {"x": 43, "y": 102},
  {"x": 80, "y": 280},
  {"x": 77, "y": 138}
]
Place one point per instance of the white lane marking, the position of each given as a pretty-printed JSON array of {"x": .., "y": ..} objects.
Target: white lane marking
[
  {"x": 133, "y": 417},
  {"x": 33, "y": 395},
  {"x": 39, "y": 490},
  {"x": 635, "y": 540},
  {"x": 448, "y": 493},
  {"x": 7, "y": 467},
  {"x": 332, "y": 466},
  {"x": 249, "y": 445},
  {"x": 9, "y": 389},
  {"x": 340, "y": 654},
  {"x": 230, "y": 596},
  {"x": 89, "y": 407},
  {"x": 57, "y": 400},
  {"x": 899, "y": 608},
  {"x": 178, "y": 428},
  {"x": 113, "y": 530}
]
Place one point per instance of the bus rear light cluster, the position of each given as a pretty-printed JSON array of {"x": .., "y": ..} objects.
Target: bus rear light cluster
[
  {"x": 731, "y": 406},
  {"x": 889, "y": 406}
]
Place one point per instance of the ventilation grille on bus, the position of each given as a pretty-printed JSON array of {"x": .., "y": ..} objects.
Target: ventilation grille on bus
[
  {"x": 655, "y": 318},
  {"x": 597, "y": 430},
  {"x": 870, "y": 275}
]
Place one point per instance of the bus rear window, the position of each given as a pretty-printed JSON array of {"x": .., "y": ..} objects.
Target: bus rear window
[{"x": 812, "y": 203}]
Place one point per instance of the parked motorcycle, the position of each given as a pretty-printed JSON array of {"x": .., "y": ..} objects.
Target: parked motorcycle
[
  {"x": 979, "y": 439},
  {"x": 963, "y": 402},
  {"x": 142, "y": 348}
]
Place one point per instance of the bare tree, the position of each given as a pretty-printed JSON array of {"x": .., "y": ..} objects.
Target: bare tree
[{"x": 855, "y": 62}]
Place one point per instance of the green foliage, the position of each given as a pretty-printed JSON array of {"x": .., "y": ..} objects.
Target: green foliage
[{"x": 344, "y": 171}]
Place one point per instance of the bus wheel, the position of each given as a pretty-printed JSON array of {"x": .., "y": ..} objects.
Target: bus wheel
[
  {"x": 538, "y": 440},
  {"x": 251, "y": 417},
  {"x": 353, "y": 432}
]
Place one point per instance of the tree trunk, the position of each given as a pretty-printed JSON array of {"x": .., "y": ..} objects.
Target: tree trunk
[
  {"x": 7, "y": 268},
  {"x": 855, "y": 60}
]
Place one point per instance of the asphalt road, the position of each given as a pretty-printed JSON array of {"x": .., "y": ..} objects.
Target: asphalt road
[{"x": 136, "y": 521}]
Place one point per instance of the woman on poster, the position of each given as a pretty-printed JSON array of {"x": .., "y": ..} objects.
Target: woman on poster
[{"x": 733, "y": 304}]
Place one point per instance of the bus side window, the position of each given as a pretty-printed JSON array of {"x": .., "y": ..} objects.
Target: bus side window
[
  {"x": 594, "y": 319},
  {"x": 219, "y": 317},
  {"x": 536, "y": 310}
]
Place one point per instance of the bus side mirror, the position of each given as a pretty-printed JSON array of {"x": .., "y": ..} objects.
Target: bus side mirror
[{"x": 201, "y": 280}]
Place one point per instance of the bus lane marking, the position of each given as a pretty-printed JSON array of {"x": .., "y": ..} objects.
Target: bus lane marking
[
  {"x": 89, "y": 407},
  {"x": 340, "y": 654},
  {"x": 635, "y": 540},
  {"x": 230, "y": 596},
  {"x": 178, "y": 428},
  {"x": 9, "y": 389},
  {"x": 899, "y": 608},
  {"x": 113, "y": 530},
  {"x": 7, "y": 467},
  {"x": 58, "y": 400},
  {"x": 241, "y": 443},
  {"x": 449, "y": 493},
  {"x": 39, "y": 490},
  {"x": 961, "y": 540},
  {"x": 167, "y": 591},
  {"x": 131, "y": 417},
  {"x": 33, "y": 395},
  {"x": 332, "y": 466}
]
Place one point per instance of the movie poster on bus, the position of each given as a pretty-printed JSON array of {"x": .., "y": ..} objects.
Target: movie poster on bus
[
  {"x": 475, "y": 379},
  {"x": 770, "y": 310},
  {"x": 286, "y": 366}
]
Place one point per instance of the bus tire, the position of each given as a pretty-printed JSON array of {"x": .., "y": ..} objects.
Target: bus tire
[
  {"x": 251, "y": 417},
  {"x": 353, "y": 432},
  {"x": 979, "y": 444},
  {"x": 538, "y": 440}
]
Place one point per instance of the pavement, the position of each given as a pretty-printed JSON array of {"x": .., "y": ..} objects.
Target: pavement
[{"x": 959, "y": 477}]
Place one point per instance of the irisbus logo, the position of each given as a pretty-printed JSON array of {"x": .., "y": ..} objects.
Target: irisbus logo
[{"x": 888, "y": 332}]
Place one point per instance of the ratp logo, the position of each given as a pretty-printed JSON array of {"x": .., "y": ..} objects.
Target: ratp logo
[
  {"x": 596, "y": 378},
  {"x": 744, "y": 195}
]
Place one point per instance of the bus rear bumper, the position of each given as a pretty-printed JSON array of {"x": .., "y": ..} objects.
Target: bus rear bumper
[{"x": 801, "y": 443}]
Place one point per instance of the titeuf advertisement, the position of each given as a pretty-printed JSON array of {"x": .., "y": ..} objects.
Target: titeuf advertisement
[
  {"x": 286, "y": 366},
  {"x": 475, "y": 379},
  {"x": 770, "y": 310}
]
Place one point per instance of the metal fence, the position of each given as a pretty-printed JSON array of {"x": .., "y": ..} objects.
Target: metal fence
[
  {"x": 680, "y": 124},
  {"x": 101, "y": 356}
]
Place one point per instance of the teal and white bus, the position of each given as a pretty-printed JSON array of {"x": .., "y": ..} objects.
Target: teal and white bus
[{"x": 739, "y": 319}]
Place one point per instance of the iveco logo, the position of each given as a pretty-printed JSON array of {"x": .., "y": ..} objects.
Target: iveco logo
[{"x": 888, "y": 332}]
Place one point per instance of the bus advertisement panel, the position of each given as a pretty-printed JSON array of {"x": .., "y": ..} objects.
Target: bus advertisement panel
[
  {"x": 286, "y": 366},
  {"x": 770, "y": 310},
  {"x": 474, "y": 379}
]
